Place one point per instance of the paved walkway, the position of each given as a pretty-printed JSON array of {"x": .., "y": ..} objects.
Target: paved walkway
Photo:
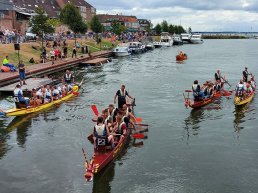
[{"x": 47, "y": 68}]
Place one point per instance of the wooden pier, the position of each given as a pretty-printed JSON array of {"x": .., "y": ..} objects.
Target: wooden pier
[
  {"x": 47, "y": 68},
  {"x": 96, "y": 62},
  {"x": 30, "y": 84}
]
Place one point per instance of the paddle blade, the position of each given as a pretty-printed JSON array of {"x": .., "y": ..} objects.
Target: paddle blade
[
  {"x": 141, "y": 124},
  {"x": 138, "y": 136},
  {"x": 138, "y": 119},
  {"x": 76, "y": 93},
  {"x": 95, "y": 110}
]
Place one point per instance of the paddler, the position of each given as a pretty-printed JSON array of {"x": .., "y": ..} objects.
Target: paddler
[
  {"x": 18, "y": 95},
  {"x": 128, "y": 117},
  {"x": 101, "y": 132},
  {"x": 120, "y": 126},
  {"x": 252, "y": 82},
  {"x": 249, "y": 89},
  {"x": 112, "y": 111},
  {"x": 122, "y": 93},
  {"x": 240, "y": 88},
  {"x": 197, "y": 92}
]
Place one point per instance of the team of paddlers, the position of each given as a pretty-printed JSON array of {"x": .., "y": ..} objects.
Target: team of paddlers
[
  {"x": 208, "y": 89},
  {"x": 113, "y": 123},
  {"x": 45, "y": 94}
]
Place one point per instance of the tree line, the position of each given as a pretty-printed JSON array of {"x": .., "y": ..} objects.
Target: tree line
[{"x": 165, "y": 27}]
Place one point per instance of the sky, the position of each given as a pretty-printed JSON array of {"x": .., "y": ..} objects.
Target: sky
[{"x": 200, "y": 15}]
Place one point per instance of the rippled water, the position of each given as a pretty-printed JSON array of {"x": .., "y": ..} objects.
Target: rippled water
[{"x": 209, "y": 150}]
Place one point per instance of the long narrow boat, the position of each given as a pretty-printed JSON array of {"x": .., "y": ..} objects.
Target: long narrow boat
[
  {"x": 23, "y": 111},
  {"x": 238, "y": 101},
  {"x": 102, "y": 158},
  {"x": 197, "y": 104}
]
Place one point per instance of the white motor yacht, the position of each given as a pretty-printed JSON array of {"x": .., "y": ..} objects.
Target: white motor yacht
[
  {"x": 186, "y": 38},
  {"x": 122, "y": 50},
  {"x": 166, "y": 40},
  {"x": 196, "y": 39}
]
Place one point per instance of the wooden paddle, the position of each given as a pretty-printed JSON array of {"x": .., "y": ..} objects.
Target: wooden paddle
[
  {"x": 138, "y": 119},
  {"x": 95, "y": 110},
  {"x": 226, "y": 81}
]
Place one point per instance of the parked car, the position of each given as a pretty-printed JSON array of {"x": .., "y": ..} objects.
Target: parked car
[{"x": 30, "y": 36}]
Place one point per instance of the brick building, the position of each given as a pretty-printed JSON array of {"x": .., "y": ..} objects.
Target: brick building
[{"x": 15, "y": 14}]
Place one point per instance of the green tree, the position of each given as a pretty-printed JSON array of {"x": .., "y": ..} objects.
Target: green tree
[
  {"x": 71, "y": 16},
  {"x": 171, "y": 29},
  {"x": 117, "y": 27},
  {"x": 39, "y": 24},
  {"x": 158, "y": 29},
  {"x": 96, "y": 27},
  {"x": 181, "y": 29},
  {"x": 164, "y": 26},
  {"x": 54, "y": 22}
]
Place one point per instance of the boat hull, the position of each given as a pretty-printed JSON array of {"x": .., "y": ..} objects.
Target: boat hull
[
  {"x": 25, "y": 111},
  {"x": 239, "y": 102},
  {"x": 121, "y": 54},
  {"x": 201, "y": 103},
  {"x": 181, "y": 58}
]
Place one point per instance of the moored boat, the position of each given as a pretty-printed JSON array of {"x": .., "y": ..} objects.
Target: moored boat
[
  {"x": 27, "y": 110},
  {"x": 122, "y": 50},
  {"x": 177, "y": 40},
  {"x": 196, "y": 39}
]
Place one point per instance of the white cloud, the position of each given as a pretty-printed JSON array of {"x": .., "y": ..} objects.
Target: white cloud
[{"x": 201, "y": 15}]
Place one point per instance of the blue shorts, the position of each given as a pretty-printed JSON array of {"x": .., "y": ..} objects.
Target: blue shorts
[{"x": 22, "y": 75}]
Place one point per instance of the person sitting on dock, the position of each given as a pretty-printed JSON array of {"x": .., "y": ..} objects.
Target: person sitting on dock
[
  {"x": 197, "y": 92},
  {"x": 101, "y": 134},
  {"x": 68, "y": 78},
  {"x": 7, "y": 64},
  {"x": 18, "y": 96},
  {"x": 240, "y": 88},
  {"x": 122, "y": 93}
]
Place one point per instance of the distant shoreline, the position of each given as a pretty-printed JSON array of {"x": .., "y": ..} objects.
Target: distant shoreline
[{"x": 224, "y": 37}]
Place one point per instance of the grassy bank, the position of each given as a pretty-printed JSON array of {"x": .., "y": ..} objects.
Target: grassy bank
[{"x": 33, "y": 50}]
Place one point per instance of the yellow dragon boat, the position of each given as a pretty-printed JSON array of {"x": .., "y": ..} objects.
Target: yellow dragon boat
[
  {"x": 24, "y": 111},
  {"x": 239, "y": 101}
]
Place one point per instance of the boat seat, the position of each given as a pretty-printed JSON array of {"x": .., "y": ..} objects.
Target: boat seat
[{"x": 20, "y": 105}]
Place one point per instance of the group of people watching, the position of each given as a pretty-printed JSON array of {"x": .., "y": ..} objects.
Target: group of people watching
[
  {"x": 245, "y": 87},
  {"x": 113, "y": 123},
  {"x": 208, "y": 89}
]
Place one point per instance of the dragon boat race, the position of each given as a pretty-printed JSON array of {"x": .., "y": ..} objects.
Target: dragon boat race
[{"x": 129, "y": 102}]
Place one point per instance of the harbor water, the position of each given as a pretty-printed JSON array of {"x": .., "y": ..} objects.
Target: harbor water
[{"x": 209, "y": 150}]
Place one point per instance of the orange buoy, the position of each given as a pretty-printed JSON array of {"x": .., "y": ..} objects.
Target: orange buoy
[{"x": 5, "y": 69}]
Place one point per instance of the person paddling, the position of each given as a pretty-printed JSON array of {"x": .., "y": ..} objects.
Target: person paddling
[
  {"x": 101, "y": 132},
  {"x": 197, "y": 92},
  {"x": 218, "y": 76},
  {"x": 68, "y": 78},
  {"x": 121, "y": 94},
  {"x": 240, "y": 88}
]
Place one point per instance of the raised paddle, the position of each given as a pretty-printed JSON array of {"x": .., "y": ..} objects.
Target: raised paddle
[
  {"x": 95, "y": 110},
  {"x": 226, "y": 81}
]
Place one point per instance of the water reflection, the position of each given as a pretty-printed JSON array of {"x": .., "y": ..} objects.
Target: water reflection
[
  {"x": 192, "y": 122},
  {"x": 240, "y": 114},
  {"x": 102, "y": 181},
  {"x": 21, "y": 124}
]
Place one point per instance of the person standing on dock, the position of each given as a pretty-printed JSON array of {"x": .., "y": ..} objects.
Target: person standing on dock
[
  {"x": 74, "y": 52},
  {"x": 21, "y": 68},
  {"x": 68, "y": 78},
  {"x": 121, "y": 94},
  {"x": 52, "y": 55}
]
